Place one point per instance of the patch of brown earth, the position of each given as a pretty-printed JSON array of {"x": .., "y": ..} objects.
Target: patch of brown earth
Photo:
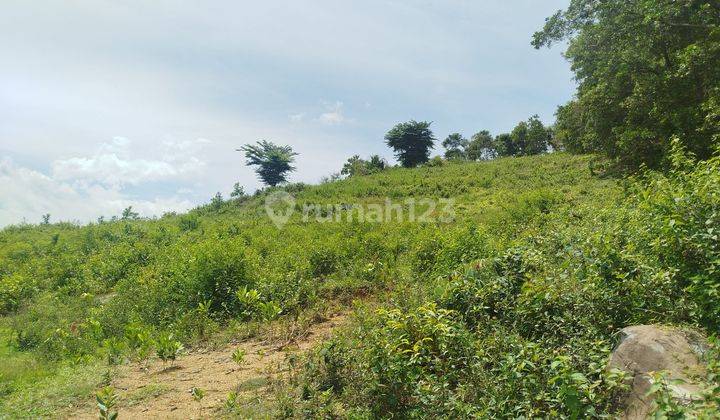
[{"x": 163, "y": 391}]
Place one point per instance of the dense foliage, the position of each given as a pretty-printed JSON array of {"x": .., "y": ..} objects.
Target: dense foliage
[
  {"x": 647, "y": 70},
  {"x": 455, "y": 146},
  {"x": 508, "y": 309},
  {"x": 412, "y": 142},
  {"x": 528, "y": 138},
  {"x": 526, "y": 330},
  {"x": 356, "y": 166},
  {"x": 272, "y": 162},
  {"x": 481, "y": 146}
]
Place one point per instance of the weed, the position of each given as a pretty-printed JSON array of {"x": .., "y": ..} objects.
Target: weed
[
  {"x": 238, "y": 356},
  {"x": 232, "y": 402},
  {"x": 106, "y": 401},
  {"x": 114, "y": 348},
  {"x": 198, "y": 395}
]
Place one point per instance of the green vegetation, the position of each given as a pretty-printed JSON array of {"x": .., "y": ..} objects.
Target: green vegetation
[
  {"x": 455, "y": 146},
  {"x": 355, "y": 166},
  {"x": 647, "y": 71},
  {"x": 509, "y": 309},
  {"x": 412, "y": 142},
  {"x": 106, "y": 401},
  {"x": 481, "y": 147},
  {"x": 168, "y": 349},
  {"x": 272, "y": 162},
  {"x": 528, "y": 138},
  {"x": 238, "y": 356},
  {"x": 73, "y": 295},
  {"x": 503, "y": 303},
  {"x": 525, "y": 328},
  {"x": 198, "y": 395}
]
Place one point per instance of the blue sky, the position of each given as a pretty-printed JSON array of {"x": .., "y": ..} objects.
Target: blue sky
[{"x": 106, "y": 104}]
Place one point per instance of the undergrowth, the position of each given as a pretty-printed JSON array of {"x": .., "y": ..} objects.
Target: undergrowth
[
  {"x": 510, "y": 310},
  {"x": 526, "y": 330}
]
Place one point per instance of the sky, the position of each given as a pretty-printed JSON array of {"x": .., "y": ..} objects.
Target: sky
[{"x": 109, "y": 104}]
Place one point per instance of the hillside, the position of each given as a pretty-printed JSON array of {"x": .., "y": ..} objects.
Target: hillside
[{"x": 507, "y": 308}]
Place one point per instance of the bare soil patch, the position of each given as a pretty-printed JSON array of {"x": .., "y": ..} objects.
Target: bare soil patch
[{"x": 156, "y": 390}]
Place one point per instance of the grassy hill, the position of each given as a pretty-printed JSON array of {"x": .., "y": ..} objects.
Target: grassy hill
[{"x": 507, "y": 308}]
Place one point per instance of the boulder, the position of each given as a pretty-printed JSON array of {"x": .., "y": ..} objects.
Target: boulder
[{"x": 652, "y": 348}]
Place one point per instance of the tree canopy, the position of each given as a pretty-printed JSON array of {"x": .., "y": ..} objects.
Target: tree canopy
[
  {"x": 647, "y": 70},
  {"x": 273, "y": 162},
  {"x": 356, "y": 166},
  {"x": 481, "y": 147},
  {"x": 411, "y": 142},
  {"x": 528, "y": 138},
  {"x": 455, "y": 146}
]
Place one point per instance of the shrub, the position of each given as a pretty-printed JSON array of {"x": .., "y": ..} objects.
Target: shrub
[
  {"x": 486, "y": 291},
  {"x": 678, "y": 222},
  {"x": 323, "y": 262},
  {"x": 219, "y": 269},
  {"x": 189, "y": 222},
  {"x": 106, "y": 401},
  {"x": 414, "y": 356},
  {"x": 168, "y": 349},
  {"x": 252, "y": 305},
  {"x": 139, "y": 340},
  {"x": 435, "y": 162},
  {"x": 13, "y": 289},
  {"x": 238, "y": 356}
]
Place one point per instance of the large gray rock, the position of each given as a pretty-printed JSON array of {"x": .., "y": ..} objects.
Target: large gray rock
[{"x": 652, "y": 348}]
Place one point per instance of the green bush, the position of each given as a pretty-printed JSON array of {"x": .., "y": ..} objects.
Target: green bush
[
  {"x": 323, "y": 262},
  {"x": 13, "y": 288},
  {"x": 189, "y": 222},
  {"x": 415, "y": 356}
]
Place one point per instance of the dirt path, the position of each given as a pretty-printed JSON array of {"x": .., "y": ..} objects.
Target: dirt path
[{"x": 163, "y": 392}]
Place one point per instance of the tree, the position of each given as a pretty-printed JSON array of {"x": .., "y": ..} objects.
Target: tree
[
  {"x": 335, "y": 176},
  {"x": 528, "y": 138},
  {"x": 481, "y": 147},
  {"x": 376, "y": 164},
  {"x": 46, "y": 219},
  {"x": 129, "y": 214},
  {"x": 504, "y": 145},
  {"x": 273, "y": 162},
  {"x": 217, "y": 201},
  {"x": 411, "y": 142},
  {"x": 519, "y": 139},
  {"x": 238, "y": 191},
  {"x": 354, "y": 166},
  {"x": 538, "y": 137},
  {"x": 647, "y": 70},
  {"x": 570, "y": 131},
  {"x": 357, "y": 166},
  {"x": 455, "y": 145}
]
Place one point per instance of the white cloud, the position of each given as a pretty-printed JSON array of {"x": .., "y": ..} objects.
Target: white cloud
[
  {"x": 334, "y": 114},
  {"x": 114, "y": 165},
  {"x": 76, "y": 72},
  {"x": 27, "y": 194},
  {"x": 296, "y": 117}
]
